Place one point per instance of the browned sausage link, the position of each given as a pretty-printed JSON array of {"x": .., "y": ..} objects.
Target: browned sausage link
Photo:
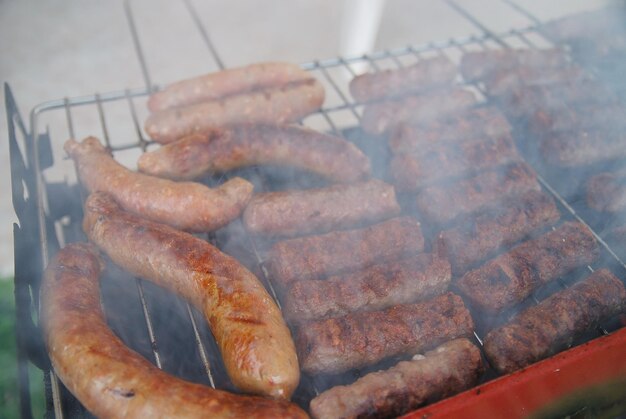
[
  {"x": 476, "y": 237},
  {"x": 512, "y": 277},
  {"x": 388, "y": 83},
  {"x": 108, "y": 378},
  {"x": 480, "y": 65},
  {"x": 256, "y": 144},
  {"x": 297, "y": 213},
  {"x": 383, "y": 285},
  {"x": 412, "y": 171},
  {"x": 471, "y": 125},
  {"x": 443, "y": 203},
  {"x": 277, "y": 105},
  {"x": 341, "y": 251},
  {"x": 504, "y": 82},
  {"x": 554, "y": 323},
  {"x": 227, "y": 82},
  {"x": 583, "y": 148},
  {"x": 446, "y": 370},
  {"x": 610, "y": 117},
  {"x": 359, "y": 339},
  {"x": 256, "y": 345},
  {"x": 383, "y": 116},
  {"x": 185, "y": 205},
  {"x": 606, "y": 191}
]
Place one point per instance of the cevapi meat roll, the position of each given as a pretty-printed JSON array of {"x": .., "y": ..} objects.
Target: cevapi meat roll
[
  {"x": 442, "y": 372},
  {"x": 511, "y": 277},
  {"x": 359, "y": 339},
  {"x": 481, "y": 65},
  {"x": 107, "y": 377},
  {"x": 552, "y": 325},
  {"x": 278, "y": 105},
  {"x": 475, "y": 124},
  {"x": 478, "y": 236},
  {"x": 443, "y": 203},
  {"x": 300, "y": 212},
  {"x": 384, "y": 116},
  {"x": 606, "y": 191},
  {"x": 254, "y": 341},
  {"x": 609, "y": 117},
  {"x": 245, "y": 145},
  {"x": 227, "y": 82},
  {"x": 383, "y": 285},
  {"x": 583, "y": 147},
  {"x": 316, "y": 257},
  {"x": 388, "y": 83},
  {"x": 503, "y": 82},
  {"x": 186, "y": 205}
]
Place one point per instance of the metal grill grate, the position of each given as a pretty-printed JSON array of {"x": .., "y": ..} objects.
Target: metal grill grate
[{"x": 339, "y": 117}]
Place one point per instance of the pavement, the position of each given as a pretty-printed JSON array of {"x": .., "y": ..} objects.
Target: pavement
[{"x": 56, "y": 49}]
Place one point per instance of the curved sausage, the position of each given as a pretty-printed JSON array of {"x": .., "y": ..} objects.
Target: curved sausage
[
  {"x": 186, "y": 205},
  {"x": 279, "y": 105},
  {"x": 225, "y": 83},
  {"x": 256, "y": 345},
  {"x": 110, "y": 379},
  {"x": 256, "y": 144}
]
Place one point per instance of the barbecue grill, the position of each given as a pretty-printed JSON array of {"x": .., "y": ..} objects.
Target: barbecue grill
[{"x": 172, "y": 334}]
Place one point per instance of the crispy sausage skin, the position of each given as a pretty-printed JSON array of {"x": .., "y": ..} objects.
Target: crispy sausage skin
[
  {"x": 279, "y": 105},
  {"x": 256, "y": 345},
  {"x": 186, "y": 205},
  {"x": 111, "y": 380},
  {"x": 228, "y": 82},
  {"x": 244, "y": 145}
]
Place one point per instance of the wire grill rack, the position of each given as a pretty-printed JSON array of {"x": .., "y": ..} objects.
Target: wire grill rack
[{"x": 50, "y": 211}]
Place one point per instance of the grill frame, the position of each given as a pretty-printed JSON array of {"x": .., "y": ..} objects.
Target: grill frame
[{"x": 29, "y": 161}]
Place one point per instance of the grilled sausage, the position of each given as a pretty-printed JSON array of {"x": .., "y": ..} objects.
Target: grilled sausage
[
  {"x": 301, "y": 212},
  {"x": 360, "y": 339},
  {"x": 553, "y": 324},
  {"x": 185, "y": 205},
  {"x": 256, "y": 144},
  {"x": 446, "y": 370},
  {"x": 442, "y": 203},
  {"x": 341, "y": 251},
  {"x": 412, "y": 171},
  {"x": 481, "y": 65},
  {"x": 383, "y": 285},
  {"x": 108, "y": 378},
  {"x": 606, "y": 192},
  {"x": 388, "y": 83},
  {"x": 511, "y": 277},
  {"x": 256, "y": 345},
  {"x": 383, "y": 116},
  {"x": 277, "y": 105},
  {"x": 609, "y": 117},
  {"x": 503, "y": 82},
  {"x": 472, "y": 125},
  {"x": 479, "y": 236},
  {"x": 583, "y": 147},
  {"x": 224, "y": 83}
]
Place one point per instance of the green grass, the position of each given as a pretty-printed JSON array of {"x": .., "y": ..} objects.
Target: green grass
[{"x": 9, "y": 393}]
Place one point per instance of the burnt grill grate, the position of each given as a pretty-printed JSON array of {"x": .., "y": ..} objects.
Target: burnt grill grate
[{"x": 40, "y": 212}]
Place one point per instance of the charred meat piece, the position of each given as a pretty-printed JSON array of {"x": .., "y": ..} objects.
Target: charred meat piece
[
  {"x": 481, "y": 65},
  {"x": 110, "y": 379},
  {"x": 388, "y": 83},
  {"x": 608, "y": 117},
  {"x": 257, "y": 144},
  {"x": 301, "y": 212},
  {"x": 414, "y": 171},
  {"x": 446, "y": 370},
  {"x": 319, "y": 256},
  {"x": 502, "y": 83},
  {"x": 359, "y": 339},
  {"x": 606, "y": 192},
  {"x": 472, "y": 125},
  {"x": 383, "y": 116},
  {"x": 476, "y": 237},
  {"x": 582, "y": 147},
  {"x": 553, "y": 324},
  {"x": 380, "y": 286},
  {"x": 524, "y": 101},
  {"x": 443, "y": 203},
  {"x": 511, "y": 277}
]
